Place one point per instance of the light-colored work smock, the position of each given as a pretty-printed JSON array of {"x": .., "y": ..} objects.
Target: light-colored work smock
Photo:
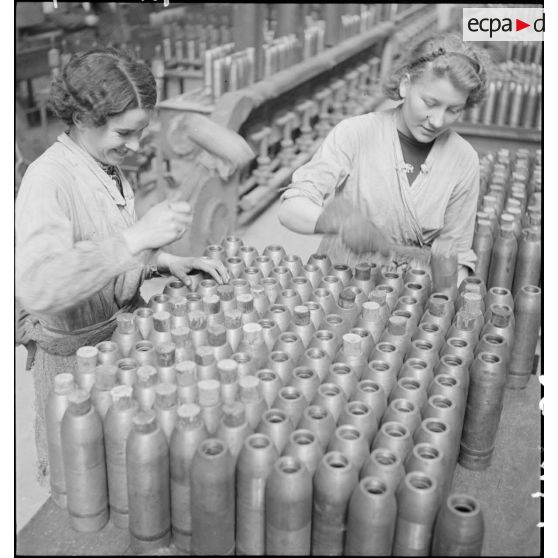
[
  {"x": 74, "y": 271},
  {"x": 361, "y": 161}
]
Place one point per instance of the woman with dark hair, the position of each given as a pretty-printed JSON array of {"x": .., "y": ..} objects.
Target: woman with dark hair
[
  {"x": 81, "y": 254},
  {"x": 384, "y": 186}
]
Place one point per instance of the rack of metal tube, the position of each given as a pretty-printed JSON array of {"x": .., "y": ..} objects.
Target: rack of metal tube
[
  {"x": 292, "y": 138},
  {"x": 528, "y": 52},
  {"x": 227, "y": 68},
  {"x": 229, "y": 408},
  {"x": 353, "y": 24},
  {"x": 514, "y": 98}
]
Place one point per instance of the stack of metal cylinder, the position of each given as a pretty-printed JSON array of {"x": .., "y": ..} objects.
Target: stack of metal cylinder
[
  {"x": 301, "y": 408},
  {"x": 281, "y": 53},
  {"x": 528, "y": 52},
  {"x": 354, "y": 24},
  {"x": 186, "y": 44},
  {"x": 507, "y": 242},
  {"x": 508, "y": 225},
  {"x": 314, "y": 35},
  {"x": 514, "y": 98}
]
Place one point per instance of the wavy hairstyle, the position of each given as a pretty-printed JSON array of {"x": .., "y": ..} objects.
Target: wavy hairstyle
[
  {"x": 101, "y": 83},
  {"x": 446, "y": 55}
]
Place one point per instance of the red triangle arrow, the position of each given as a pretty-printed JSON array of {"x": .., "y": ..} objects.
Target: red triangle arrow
[{"x": 519, "y": 24}]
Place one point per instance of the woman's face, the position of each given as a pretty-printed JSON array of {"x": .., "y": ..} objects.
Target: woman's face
[
  {"x": 111, "y": 142},
  {"x": 431, "y": 104}
]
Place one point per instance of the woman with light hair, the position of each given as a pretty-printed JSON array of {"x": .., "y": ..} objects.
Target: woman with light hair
[{"x": 384, "y": 186}]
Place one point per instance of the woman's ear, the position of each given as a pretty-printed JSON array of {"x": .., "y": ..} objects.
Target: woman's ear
[
  {"x": 404, "y": 85},
  {"x": 78, "y": 121}
]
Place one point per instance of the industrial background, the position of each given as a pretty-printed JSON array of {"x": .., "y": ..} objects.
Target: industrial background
[{"x": 281, "y": 76}]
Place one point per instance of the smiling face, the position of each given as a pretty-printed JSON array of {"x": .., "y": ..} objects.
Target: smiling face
[
  {"x": 111, "y": 142},
  {"x": 431, "y": 104}
]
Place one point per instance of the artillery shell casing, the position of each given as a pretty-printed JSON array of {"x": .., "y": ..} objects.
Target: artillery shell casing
[
  {"x": 390, "y": 353},
  {"x": 304, "y": 445},
  {"x": 306, "y": 380},
  {"x": 503, "y": 108},
  {"x": 361, "y": 416},
  {"x": 109, "y": 352},
  {"x": 502, "y": 264},
  {"x": 429, "y": 459},
  {"x": 410, "y": 389},
  {"x": 291, "y": 400},
  {"x": 418, "y": 500},
  {"x": 147, "y": 468},
  {"x": 86, "y": 361},
  {"x": 371, "y": 519},
  {"x": 386, "y": 466},
  {"x": 404, "y": 412},
  {"x": 83, "y": 452},
  {"x": 213, "y": 499},
  {"x": 348, "y": 440},
  {"x": 188, "y": 434},
  {"x": 482, "y": 415},
  {"x": 394, "y": 437},
  {"x": 56, "y": 405},
  {"x": 334, "y": 482},
  {"x": 288, "y": 505},
  {"x": 332, "y": 397},
  {"x": 371, "y": 393},
  {"x": 126, "y": 334},
  {"x": 117, "y": 427},
  {"x": 254, "y": 465},
  {"x": 528, "y": 262},
  {"x": 459, "y": 528},
  {"x": 528, "y": 319},
  {"x": 276, "y": 424},
  {"x": 316, "y": 358},
  {"x": 344, "y": 376},
  {"x": 270, "y": 384},
  {"x": 418, "y": 369}
]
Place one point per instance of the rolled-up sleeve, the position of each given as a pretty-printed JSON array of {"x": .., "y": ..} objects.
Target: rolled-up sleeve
[
  {"x": 459, "y": 218},
  {"x": 53, "y": 272},
  {"x": 328, "y": 169}
]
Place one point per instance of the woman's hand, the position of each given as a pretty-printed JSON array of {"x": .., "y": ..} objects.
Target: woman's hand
[
  {"x": 162, "y": 224},
  {"x": 361, "y": 236},
  {"x": 181, "y": 266}
]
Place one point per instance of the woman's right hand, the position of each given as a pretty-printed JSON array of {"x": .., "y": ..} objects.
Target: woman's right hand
[{"x": 162, "y": 224}]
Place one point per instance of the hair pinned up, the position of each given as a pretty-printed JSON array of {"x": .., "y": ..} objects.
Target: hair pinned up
[
  {"x": 446, "y": 55},
  {"x": 99, "y": 84}
]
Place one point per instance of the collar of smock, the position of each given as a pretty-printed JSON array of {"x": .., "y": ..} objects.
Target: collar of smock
[{"x": 82, "y": 157}]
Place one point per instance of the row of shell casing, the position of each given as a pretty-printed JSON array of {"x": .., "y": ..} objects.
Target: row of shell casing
[
  {"x": 329, "y": 393},
  {"x": 216, "y": 501},
  {"x": 508, "y": 230}
]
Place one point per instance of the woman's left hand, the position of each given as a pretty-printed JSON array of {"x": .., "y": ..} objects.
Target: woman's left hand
[{"x": 181, "y": 266}]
